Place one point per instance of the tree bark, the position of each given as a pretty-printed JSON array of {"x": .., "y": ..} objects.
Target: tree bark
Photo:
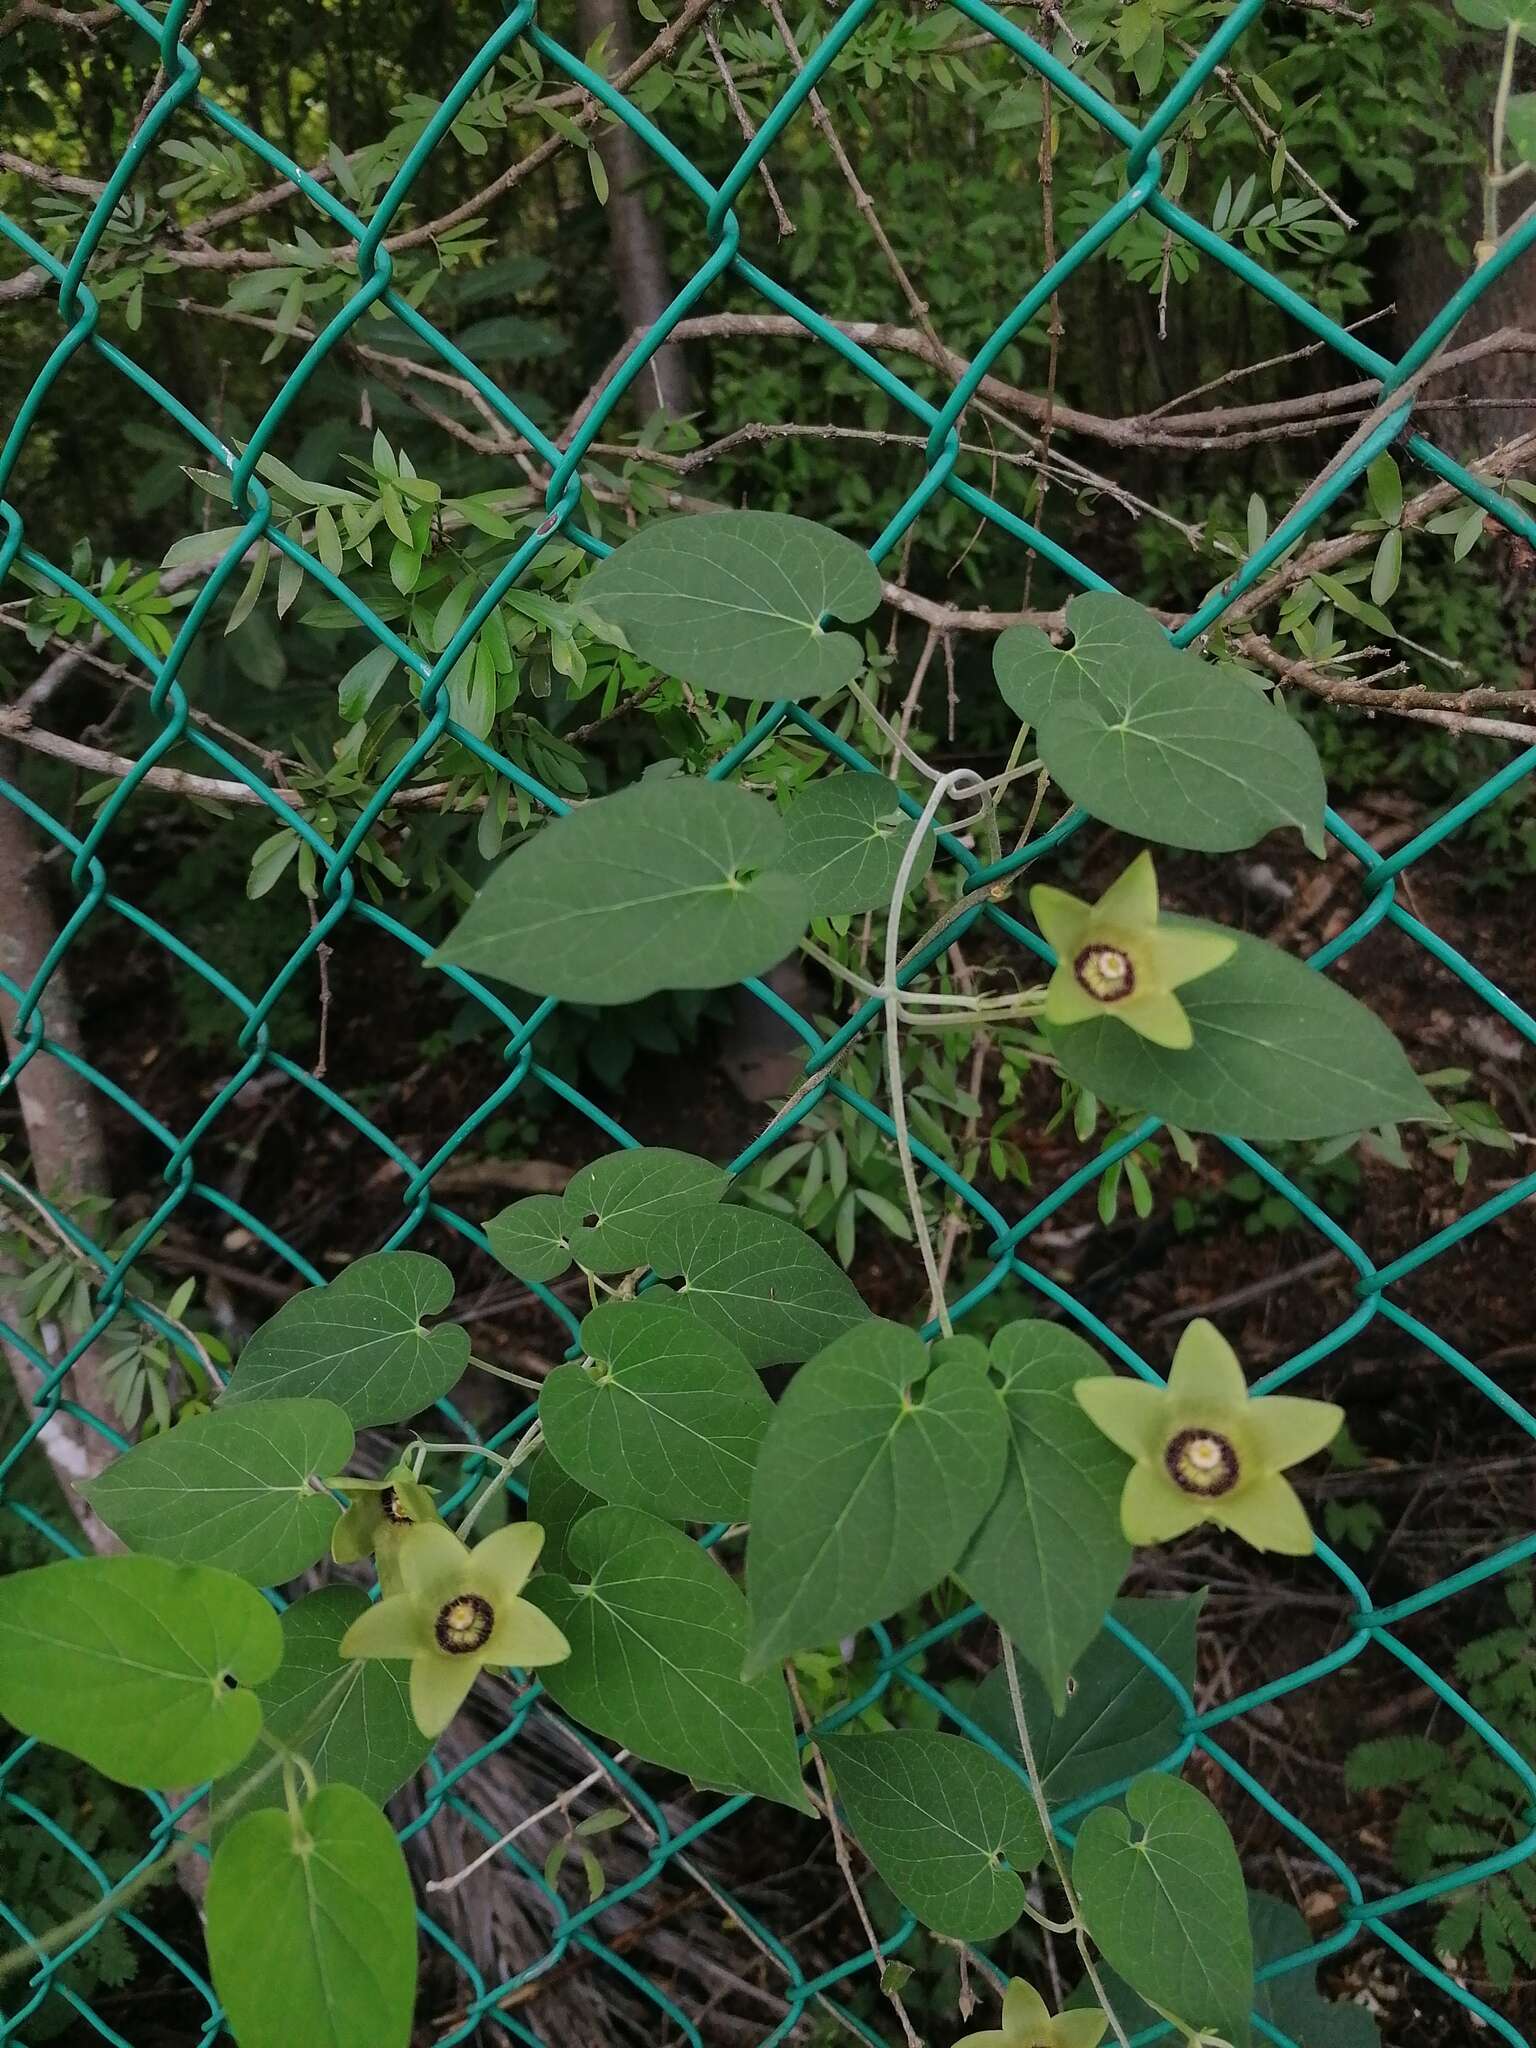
[
  {"x": 636, "y": 248},
  {"x": 64, "y": 1137}
]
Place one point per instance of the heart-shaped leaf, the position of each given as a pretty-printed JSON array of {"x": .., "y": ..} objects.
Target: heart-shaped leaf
[
  {"x": 312, "y": 1927},
  {"x": 873, "y": 1474},
  {"x": 557, "y": 1502},
  {"x": 122, "y": 1661},
  {"x": 937, "y": 1817},
  {"x": 733, "y": 601},
  {"x": 231, "y": 1489},
  {"x": 612, "y": 1208},
  {"x": 527, "y": 1238},
  {"x": 1049, "y": 1555},
  {"x": 1499, "y": 14},
  {"x": 1154, "y": 740},
  {"x": 1161, "y": 1890},
  {"x": 1279, "y": 1052},
  {"x": 657, "y": 1634},
  {"x": 675, "y": 883},
  {"x": 757, "y": 1280},
  {"x": 1520, "y": 126},
  {"x": 360, "y": 1342},
  {"x": 668, "y": 1415},
  {"x": 847, "y": 837},
  {"x": 350, "y": 1721},
  {"x": 1120, "y": 1717}
]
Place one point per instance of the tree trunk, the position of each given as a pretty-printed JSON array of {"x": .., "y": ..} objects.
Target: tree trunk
[
  {"x": 64, "y": 1137},
  {"x": 637, "y": 252}
]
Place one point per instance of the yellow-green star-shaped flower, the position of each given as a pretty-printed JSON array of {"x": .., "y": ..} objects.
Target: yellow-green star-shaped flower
[
  {"x": 377, "y": 1517},
  {"x": 1028, "y": 2023},
  {"x": 1116, "y": 960},
  {"x": 457, "y": 1612},
  {"x": 1207, "y": 1450}
]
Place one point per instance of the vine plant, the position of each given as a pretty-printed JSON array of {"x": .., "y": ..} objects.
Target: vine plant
[{"x": 894, "y": 1460}]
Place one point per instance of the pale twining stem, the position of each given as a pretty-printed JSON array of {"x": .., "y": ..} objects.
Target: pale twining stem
[
  {"x": 1042, "y": 1808},
  {"x": 561, "y": 1803}
]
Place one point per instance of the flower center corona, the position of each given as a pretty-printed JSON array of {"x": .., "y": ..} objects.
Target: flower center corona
[
  {"x": 392, "y": 1506},
  {"x": 1106, "y": 973},
  {"x": 1201, "y": 1462},
  {"x": 464, "y": 1624}
]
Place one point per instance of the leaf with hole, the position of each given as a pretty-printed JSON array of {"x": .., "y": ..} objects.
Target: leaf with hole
[
  {"x": 672, "y": 884},
  {"x": 665, "y": 1413},
  {"x": 1154, "y": 740},
  {"x": 528, "y": 1238},
  {"x": 876, "y": 1468},
  {"x": 612, "y": 1208},
  {"x": 351, "y": 1721},
  {"x": 1120, "y": 1718},
  {"x": 311, "y": 1927},
  {"x": 1279, "y": 1052},
  {"x": 757, "y": 1280},
  {"x": 1049, "y": 1555},
  {"x": 360, "y": 1342},
  {"x": 1161, "y": 1891},
  {"x": 948, "y": 1827},
  {"x": 124, "y": 1660},
  {"x": 847, "y": 837},
  {"x": 733, "y": 601},
  {"x": 232, "y": 1489},
  {"x": 657, "y": 1633}
]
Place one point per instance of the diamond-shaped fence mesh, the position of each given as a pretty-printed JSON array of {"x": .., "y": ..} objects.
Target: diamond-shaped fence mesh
[{"x": 596, "y": 1936}]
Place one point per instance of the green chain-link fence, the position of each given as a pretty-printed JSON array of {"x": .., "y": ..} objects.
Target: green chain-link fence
[{"x": 484, "y": 2009}]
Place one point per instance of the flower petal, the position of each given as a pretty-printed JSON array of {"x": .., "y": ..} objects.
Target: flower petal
[
  {"x": 1130, "y": 902},
  {"x": 1134, "y": 1416},
  {"x": 1068, "y": 1002},
  {"x": 390, "y": 1628},
  {"x": 991, "y": 2039},
  {"x": 1062, "y": 918},
  {"x": 1185, "y": 955},
  {"x": 1153, "y": 1510},
  {"x": 524, "y": 1636},
  {"x": 1268, "y": 1515},
  {"x": 1285, "y": 1428},
  {"x": 1205, "y": 1371},
  {"x": 1084, "y": 2029},
  {"x": 352, "y": 1538},
  {"x": 1159, "y": 1017},
  {"x": 439, "y": 1686},
  {"x": 502, "y": 1563},
  {"x": 1025, "y": 2012},
  {"x": 434, "y": 1564}
]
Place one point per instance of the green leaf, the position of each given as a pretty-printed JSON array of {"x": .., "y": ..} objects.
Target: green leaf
[
  {"x": 1279, "y": 1052},
  {"x": 1154, "y": 740},
  {"x": 360, "y": 1342},
  {"x": 312, "y": 1929},
  {"x": 612, "y": 1208},
  {"x": 1162, "y": 1895},
  {"x": 847, "y": 838},
  {"x": 657, "y": 1634},
  {"x": 733, "y": 601},
  {"x": 936, "y": 1816},
  {"x": 672, "y": 884},
  {"x": 1049, "y": 1555},
  {"x": 231, "y": 1489},
  {"x": 1292, "y": 2002},
  {"x": 1520, "y": 126},
  {"x": 527, "y": 1239},
  {"x": 874, "y": 1472},
  {"x": 1499, "y": 14},
  {"x": 351, "y": 1721},
  {"x": 757, "y": 1280},
  {"x": 1120, "y": 1717},
  {"x": 668, "y": 1415},
  {"x": 557, "y": 1503},
  {"x": 122, "y": 1661}
]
